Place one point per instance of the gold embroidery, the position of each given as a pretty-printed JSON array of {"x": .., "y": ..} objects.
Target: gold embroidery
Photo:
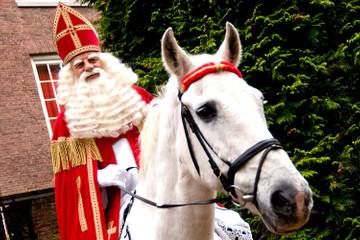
[
  {"x": 77, "y": 28},
  {"x": 74, "y": 12},
  {"x": 55, "y": 24},
  {"x": 111, "y": 230},
  {"x": 71, "y": 29},
  {"x": 93, "y": 197},
  {"x": 81, "y": 212},
  {"x": 219, "y": 67},
  {"x": 64, "y": 12},
  {"x": 75, "y": 52}
]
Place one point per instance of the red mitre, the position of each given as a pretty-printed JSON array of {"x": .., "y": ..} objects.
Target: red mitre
[{"x": 73, "y": 34}]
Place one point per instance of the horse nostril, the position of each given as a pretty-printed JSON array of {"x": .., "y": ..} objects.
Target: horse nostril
[{"x": 283, "y": 202}]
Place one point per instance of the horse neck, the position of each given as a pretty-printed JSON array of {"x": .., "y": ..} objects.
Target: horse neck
[
  {"x": 167, "y": 181},
  {"x": 167, "y": 177}
]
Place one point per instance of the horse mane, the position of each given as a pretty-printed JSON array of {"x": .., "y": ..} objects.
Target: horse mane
[
  {"x": 150, "y": 132},
  {"x": 149, "y": 136}
]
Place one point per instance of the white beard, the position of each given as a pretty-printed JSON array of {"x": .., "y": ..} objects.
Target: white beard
[{"x": 103, "y": 107}]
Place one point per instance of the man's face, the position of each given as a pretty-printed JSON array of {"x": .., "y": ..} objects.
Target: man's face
[{"x": 85, "y": 63}]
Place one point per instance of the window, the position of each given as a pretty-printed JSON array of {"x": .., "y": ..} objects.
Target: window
[
  {"x": 46, "y": 69},
  {"x": 46, "y": 3}
]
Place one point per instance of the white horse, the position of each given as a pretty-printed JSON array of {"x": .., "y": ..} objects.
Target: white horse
[{"x": 229, "y": 115}]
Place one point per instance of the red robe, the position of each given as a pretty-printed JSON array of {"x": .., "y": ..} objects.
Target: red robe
[{"x": 79, "y": 206}]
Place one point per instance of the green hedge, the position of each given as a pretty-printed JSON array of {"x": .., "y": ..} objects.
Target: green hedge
[{"x": 303, "y": 55}]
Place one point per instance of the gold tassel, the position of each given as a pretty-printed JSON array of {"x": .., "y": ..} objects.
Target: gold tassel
[
  {"x": 64, "y": 154},
  {"x": 94, "y": 151},
  {"x": 77, "y": 152},
  {"x": 55, "y": 157},
  {"x": 67, "y": 153}
]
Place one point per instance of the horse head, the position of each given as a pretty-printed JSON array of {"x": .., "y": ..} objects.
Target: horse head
[{"x": 229, "y": 116}]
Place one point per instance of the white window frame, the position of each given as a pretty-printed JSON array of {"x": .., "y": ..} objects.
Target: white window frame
[
  {"x": 49, "y": 59},
  {"x": 47, "y": 3}
]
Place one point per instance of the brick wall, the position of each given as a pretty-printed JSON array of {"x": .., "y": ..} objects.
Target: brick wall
[
  {"x": 31, "y": 218},
  {"x": 25, "y": 163},
  {"x": 44, "y": 218}
]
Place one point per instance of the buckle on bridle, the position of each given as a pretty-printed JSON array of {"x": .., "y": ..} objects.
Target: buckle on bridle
[
  {"x": 249, "y": 197},
  {"x": 246, "y": 197}
]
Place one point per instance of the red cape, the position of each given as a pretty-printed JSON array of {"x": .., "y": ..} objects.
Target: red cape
[{"x": 79, "y": 206}]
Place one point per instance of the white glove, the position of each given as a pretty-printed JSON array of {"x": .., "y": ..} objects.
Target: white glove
[{"x": 113, "y": 175}]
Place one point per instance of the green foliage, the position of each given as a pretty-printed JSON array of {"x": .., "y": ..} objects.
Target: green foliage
[{"x": 303, "y": 55}]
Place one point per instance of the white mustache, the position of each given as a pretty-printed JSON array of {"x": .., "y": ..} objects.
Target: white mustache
[{"x": 85, "y": 75}]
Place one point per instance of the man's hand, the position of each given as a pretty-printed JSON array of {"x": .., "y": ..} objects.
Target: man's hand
[{"x": 113, "y": 175}]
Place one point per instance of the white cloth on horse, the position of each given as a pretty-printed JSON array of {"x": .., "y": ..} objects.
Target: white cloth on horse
[{"x": 230, "y": 226}]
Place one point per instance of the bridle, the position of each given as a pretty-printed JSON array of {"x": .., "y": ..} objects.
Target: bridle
[{"x": 227, "y": 179}]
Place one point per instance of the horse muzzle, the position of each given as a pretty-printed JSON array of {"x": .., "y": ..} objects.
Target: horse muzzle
[{"x": 289, "y": 210}]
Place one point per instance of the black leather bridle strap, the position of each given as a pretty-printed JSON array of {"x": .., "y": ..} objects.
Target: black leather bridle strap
[
  {"x": 185, "y": 112},
  {"x": 175, "y": 205},
  {"x": 186, "y": 115},
  {"x": 188, "y": 142},
  {"x": 248, "y": 154},
  {"x": 252, "y": 196},
  {"x": 258, "y": 173},
  {"x": 227, "y": 181}
]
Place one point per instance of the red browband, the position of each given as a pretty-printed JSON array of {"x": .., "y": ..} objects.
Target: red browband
[{"x": 205, "y": 69}]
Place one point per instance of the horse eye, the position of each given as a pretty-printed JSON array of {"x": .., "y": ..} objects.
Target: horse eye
[{"x": 207, "y": 112}]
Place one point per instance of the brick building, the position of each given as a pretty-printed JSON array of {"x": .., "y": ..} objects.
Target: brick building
[{"x": 28, "y": 73}]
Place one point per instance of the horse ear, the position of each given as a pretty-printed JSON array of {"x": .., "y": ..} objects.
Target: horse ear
[
  {"x": 230, "y": 49},
  {"x": 175, "y": 60}
]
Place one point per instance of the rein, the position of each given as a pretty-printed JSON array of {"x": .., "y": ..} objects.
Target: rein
[{"x": 174, "y": 205}]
